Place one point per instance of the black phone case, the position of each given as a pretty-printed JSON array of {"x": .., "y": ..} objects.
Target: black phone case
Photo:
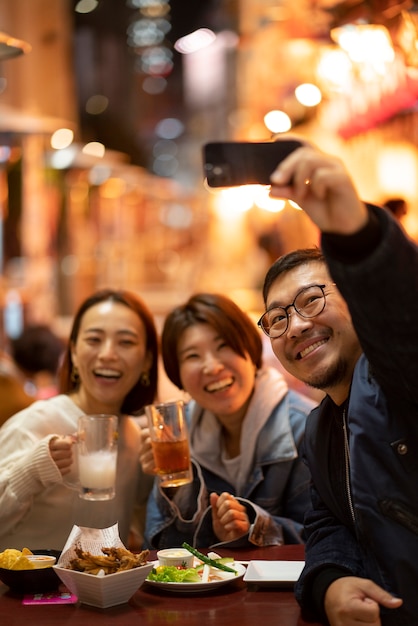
[{"x": 229, "y": 164}]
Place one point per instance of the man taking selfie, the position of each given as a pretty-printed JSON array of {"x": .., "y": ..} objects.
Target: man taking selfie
[{"x": 344, "y": 320}]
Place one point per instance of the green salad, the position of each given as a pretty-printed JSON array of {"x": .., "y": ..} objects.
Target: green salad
[
  {"x": 211, "y": 563},
  {"x": 172, "y": 574}
]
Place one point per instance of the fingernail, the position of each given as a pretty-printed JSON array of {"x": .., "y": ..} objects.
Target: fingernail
[{"x": 277, "y": 178}]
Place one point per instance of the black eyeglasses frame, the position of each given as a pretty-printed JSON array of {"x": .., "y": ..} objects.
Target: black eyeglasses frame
[{"x": 289, "y": 306}]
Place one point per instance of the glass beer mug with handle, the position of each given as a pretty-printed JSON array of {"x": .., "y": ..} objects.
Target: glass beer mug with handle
[
  {"x": 96, "y": 453},
  {"x": 170, "y": 443}
]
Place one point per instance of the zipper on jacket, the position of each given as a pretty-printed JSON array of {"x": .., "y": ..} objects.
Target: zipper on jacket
[{"x": 347, "y": 466}]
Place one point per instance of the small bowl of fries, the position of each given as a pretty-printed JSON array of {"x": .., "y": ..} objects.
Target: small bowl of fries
[
  {"x": 106, "y": 579},
  {"x": 29, "y": 571}
]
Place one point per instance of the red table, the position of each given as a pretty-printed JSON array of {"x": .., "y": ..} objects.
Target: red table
[{"x": 236, "y": 604}]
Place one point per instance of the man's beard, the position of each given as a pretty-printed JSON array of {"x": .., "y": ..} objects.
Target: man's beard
[{"x": 331, "y": 377}]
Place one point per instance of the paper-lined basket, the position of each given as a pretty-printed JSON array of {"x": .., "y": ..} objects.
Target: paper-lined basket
[{"x": 98, "y": 591}]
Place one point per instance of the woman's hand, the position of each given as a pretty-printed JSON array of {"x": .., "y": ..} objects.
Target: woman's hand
[
  {"x": 61, "y": 450},
  {"x": 352, "y": 601},
  {"x": 146, "y": 457},
  {"x": 322, "y": 187},
  {"x": 229, "y": 518}
]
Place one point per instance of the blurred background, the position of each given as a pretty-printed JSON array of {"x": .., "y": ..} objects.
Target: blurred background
[{"x": 105, "y": 106}]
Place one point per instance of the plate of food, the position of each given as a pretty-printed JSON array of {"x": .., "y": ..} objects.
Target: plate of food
[{"x": 206, "y": 574}]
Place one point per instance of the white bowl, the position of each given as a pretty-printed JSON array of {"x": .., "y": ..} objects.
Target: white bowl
[
  {"x": 104, "y": 591},
  {"x": 179, "y": 557},
  {"x": 40, "y": 561}
]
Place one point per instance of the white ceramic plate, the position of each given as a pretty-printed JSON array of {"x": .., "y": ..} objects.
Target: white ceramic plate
[
  {"x": 273, "y": 573},
  {"x": 199, "y": 587}
]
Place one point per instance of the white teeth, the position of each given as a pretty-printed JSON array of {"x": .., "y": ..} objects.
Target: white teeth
[
  {"x": 220, "y": 384},
  {"x": 311, "y": 348},
  {"x": 106, "y": 372}
]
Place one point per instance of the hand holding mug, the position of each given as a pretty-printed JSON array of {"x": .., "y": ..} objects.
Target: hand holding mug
[
  {"x": 61, "y": 450},
  {"x": 146, "y": 455}
]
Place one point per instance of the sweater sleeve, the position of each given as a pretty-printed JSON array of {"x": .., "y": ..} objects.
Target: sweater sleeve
[{"x": 22, "y": 476}]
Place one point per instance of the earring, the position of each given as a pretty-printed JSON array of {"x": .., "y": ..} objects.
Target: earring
[
  {"x": 144, "y": 379},
  {"x": 74, "y": 376}
]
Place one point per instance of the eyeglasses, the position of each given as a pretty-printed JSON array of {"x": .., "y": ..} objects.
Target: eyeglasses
[{"x": 309, "y": 302}]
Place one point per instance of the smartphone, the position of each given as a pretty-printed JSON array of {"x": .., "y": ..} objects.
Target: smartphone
[{"x": 233, "y": 163}]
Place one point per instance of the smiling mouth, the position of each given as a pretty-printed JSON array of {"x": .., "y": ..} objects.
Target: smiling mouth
[
  {"x": 309, "y": 349},
  {"x": 108, "y": 374},
  {"x": 220, "y": 385}
]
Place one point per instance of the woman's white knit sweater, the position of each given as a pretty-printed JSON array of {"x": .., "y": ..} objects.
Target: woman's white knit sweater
[{"x": 37, "y": 508}]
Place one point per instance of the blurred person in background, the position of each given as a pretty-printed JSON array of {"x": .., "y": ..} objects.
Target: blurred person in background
[
  {"x": 37, "y": 352},
  {"x": 250, "y": 486},
  {"x": 109, "y": 366},
  {"x": 13, "y": 396}
]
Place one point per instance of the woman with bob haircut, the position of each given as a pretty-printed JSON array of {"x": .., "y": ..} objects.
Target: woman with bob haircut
[
  {"x": 249, "y": 483},
  {"x": 109, "y": 367}
]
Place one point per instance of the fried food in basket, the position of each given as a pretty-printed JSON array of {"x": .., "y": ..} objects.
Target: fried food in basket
[
  {"x": 15, "y": 559},
  {"x": 111, "y": 561}
]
